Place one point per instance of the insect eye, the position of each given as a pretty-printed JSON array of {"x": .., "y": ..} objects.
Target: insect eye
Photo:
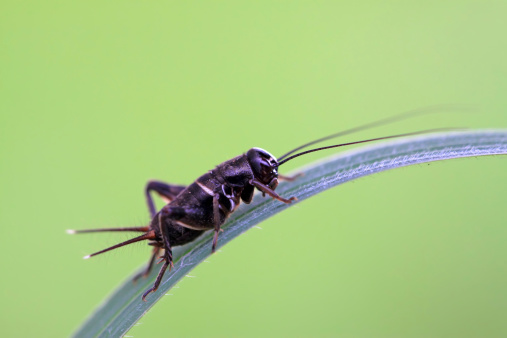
[{"x": 267, "y": 166}]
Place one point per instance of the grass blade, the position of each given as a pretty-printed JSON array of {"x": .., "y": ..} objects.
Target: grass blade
[{"x": 125, "y": 307}]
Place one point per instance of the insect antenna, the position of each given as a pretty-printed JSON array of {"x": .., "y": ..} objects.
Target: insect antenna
[
  {"x": 133, "y": 229},
  {"x": 388, "y": 120},
  {"x": 148, "y": 235},
  {"x": 365, "y": 141}
]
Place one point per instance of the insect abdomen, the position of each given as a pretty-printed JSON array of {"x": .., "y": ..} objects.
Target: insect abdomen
[{"x": 180, "y": 235}]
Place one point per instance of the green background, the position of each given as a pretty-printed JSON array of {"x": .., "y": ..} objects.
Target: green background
[{"x": 98, "y": 97}]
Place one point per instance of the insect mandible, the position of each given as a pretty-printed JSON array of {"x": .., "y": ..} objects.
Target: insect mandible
[{"x": 207, "y": 202}]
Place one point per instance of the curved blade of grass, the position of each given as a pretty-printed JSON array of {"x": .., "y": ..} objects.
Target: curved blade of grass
[{"x": 125, "y": 307}]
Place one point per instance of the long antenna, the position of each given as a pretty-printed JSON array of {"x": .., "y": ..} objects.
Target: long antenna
[
  {"x": 381, "y": 122},
  {"x": 365, "y": 141}
]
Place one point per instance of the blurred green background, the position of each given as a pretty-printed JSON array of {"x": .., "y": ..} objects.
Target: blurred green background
[{"x": 98, "y": 97}]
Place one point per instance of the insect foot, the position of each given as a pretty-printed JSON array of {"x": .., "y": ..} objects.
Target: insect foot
[
  {"x": 167, "y": 258},
  {"x": 153, "y": 289}
]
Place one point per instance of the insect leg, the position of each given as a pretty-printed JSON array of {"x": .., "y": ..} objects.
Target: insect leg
[
  {"x": 270, "y": 191},
  {"x": 247, "y": 194},
  {"x": 216, "y": 220},
  {"x": 147, "y": 271},
  {"x": 157, "y": 281},
  {"x": 168, "y": 255},
  {"x": 289, "y": 178},
  {"x": 167, "y": 191}
]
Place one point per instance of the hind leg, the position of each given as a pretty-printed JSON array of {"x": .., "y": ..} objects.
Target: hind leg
[
  {"x": 147, "y": 271},
  {"x": 167, "y": 258},
  {"x": 167, "y": 191}
]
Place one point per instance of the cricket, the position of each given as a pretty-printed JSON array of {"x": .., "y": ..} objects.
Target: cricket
[{"x": 206, "y": 203}]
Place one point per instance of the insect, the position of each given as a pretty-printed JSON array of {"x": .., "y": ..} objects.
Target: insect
[{"x": 207, "y": 202}]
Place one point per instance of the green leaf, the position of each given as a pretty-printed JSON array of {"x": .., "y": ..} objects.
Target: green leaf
[{"x": 125, "y": 307}]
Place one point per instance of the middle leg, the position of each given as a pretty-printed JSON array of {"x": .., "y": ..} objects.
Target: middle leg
[{"x": 216, "y": 221}]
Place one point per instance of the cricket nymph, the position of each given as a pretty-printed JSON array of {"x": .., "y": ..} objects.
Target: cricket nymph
[
  {"x": 203, "y": 205},
  {"x": 208, "y": 201}
]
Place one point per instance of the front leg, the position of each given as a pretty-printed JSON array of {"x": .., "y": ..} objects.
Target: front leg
[
  {"x": 265, "y": 189},
  {"x": 290, "y": 178}
]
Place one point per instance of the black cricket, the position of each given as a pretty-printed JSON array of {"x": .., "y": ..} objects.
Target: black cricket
[{"x": 208, "y": 201}]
